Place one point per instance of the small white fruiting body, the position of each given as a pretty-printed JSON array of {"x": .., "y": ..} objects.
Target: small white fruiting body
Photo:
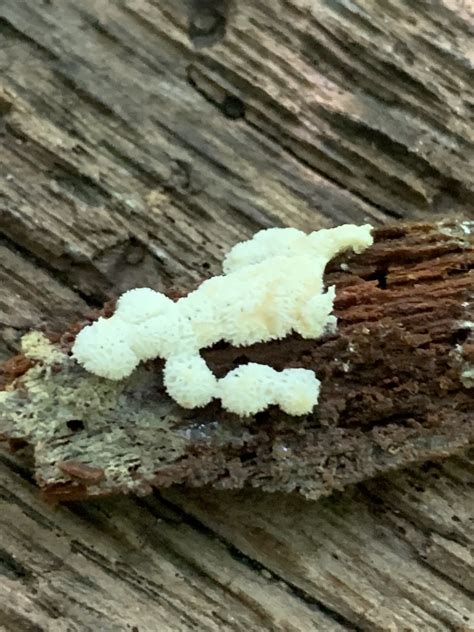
[{"x": 272, "y": 285}]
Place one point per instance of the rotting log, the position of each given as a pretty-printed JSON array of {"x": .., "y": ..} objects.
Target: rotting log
[
  {"x": 140, "y": 139},
  {"x": 396, "y": 390}
]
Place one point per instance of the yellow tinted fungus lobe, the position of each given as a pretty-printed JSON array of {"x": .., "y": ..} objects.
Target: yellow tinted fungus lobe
[{"x": 272, "y": 285}]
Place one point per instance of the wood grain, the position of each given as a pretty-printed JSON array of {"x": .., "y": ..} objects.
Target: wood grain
[{"x": 139, "y": 139}]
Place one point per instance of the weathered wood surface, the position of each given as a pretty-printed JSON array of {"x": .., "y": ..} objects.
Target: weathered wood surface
[
  {"x": 139, "y": 140},
  {"x": 394, "y": 555}
]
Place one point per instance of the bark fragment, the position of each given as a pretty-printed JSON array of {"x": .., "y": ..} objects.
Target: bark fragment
[{"x": 393, "y": 391}]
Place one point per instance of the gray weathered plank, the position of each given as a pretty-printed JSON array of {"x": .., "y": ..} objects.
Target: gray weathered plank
[
  {"x": 140, "y": 139},
  {"x": 124, "y": 565}
]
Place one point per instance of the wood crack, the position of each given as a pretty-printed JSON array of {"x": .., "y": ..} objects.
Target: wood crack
[
  {"x": 294, "y": 153},
  {"x": 60, "y": 276},
  {"x": 254, "y": 564},
  {"x": 378, "y": 98}
]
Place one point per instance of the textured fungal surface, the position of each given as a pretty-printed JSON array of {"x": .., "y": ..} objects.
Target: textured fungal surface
[{"x": 272, "y": 286}]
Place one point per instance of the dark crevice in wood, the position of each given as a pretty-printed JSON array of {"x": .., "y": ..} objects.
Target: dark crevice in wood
[
  {"x": 254, "y": 564},
  {"x": 379, "y": 500},
  {"x": 155, "y": 591},
  {"x": 381, "y": 141},
  {"x": 384, "y": 68},
  {"x": 380, "y": 276},
  {"x": 233, "y": 108},
  {"x": 383, "y": 85},
  {"x": 67, "y": 174},
  {"x": 75, "y": 425},
  {"x": 15, "y": 621},
  {"x": 325, "y": 172},
  {"x": 280, "y": 138},
  {"x": 11, "y": 568},
  {"x": 155, "y": 33},
  {"x": 201, "y": 148},
  {"x": 438, "y": 572},
  {"x": 253, "y": 216},
  {"x": 178, "y": 517},
  {"x": 5, "y": 108},
  {"x": 66, "y": 73},
  {"x": 117, "y": 39},
  {"x": 28, "y": 509},
  {"x": 77, "y": 183},
  {"x": 60, "y": 276},
  {"x": 10, "y": 33},
  {"x": 21, "y": 465},
  {"x": 207, "y": 21},
  {"x": 133, "y": 166}
]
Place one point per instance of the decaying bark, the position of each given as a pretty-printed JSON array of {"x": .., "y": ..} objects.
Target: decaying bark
[
  {"x": 396, "y": 390},
  {"x": 140, "y": 139}
]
